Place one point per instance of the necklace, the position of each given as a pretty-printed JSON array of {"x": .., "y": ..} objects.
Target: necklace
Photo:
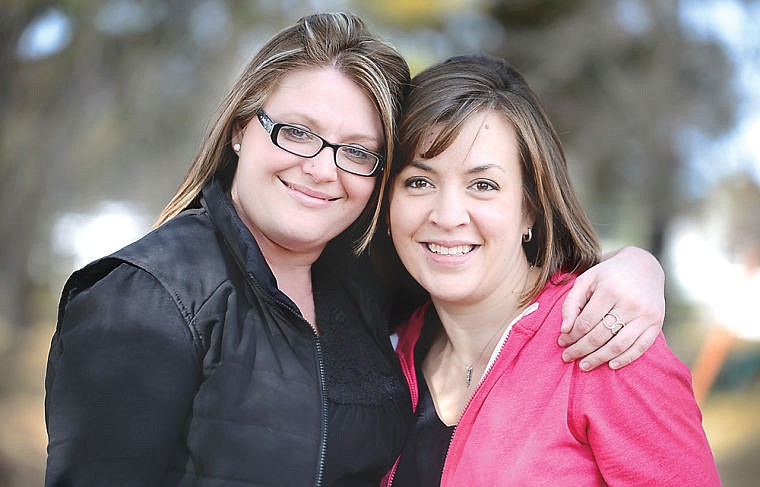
[{"x": 468, "y": 367}]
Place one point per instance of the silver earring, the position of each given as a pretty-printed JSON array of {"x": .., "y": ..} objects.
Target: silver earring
[
  {"x": 527, "y": 237},
  {"x": 236, "y": 147}
]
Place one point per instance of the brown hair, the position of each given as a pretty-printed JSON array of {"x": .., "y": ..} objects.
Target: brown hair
[
  {"x": 340, "y": 40},
  {"x": 444, "y": 96}
]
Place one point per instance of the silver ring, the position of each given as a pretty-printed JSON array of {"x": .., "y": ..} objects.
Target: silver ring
[{"x": 614, "y": 326}]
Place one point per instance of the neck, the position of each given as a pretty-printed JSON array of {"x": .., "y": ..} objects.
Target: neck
[
  {"x": 468, "y": 327},
  {"x": 293, "y": 273}
]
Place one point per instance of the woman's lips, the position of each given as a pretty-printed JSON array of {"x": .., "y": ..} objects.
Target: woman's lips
[{"x": 309, "y": 196}]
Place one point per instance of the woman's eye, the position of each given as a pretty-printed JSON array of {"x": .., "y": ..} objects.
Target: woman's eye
[
  {"x": 356, "y": 153},
  {"x": 484, "y": 186},
  {"x": 295, "y": 133},
  {"x": 417, "y": 183}
]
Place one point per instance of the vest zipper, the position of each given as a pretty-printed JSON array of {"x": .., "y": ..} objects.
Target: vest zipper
[
  {"x": 323, "y": 400},
  {"x": 319, "y": 478},
  {"x": 254, "y": 284}
]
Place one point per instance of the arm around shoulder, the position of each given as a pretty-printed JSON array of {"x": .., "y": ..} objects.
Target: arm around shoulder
[
  {"x": 629, "y": 283},
  {"x": 122, "y": 372}
]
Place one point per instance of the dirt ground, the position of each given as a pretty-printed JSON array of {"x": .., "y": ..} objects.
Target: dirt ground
[
  {"x": 732, "y": 424},
  {"x": 731, "y": 417}
]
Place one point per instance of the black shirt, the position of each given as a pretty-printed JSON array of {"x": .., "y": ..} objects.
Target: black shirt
[
  {"x": 424, "y": 454},
  {"x": 368, "y": 400}
]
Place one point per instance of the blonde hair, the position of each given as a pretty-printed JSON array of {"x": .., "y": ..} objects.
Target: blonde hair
[
  {"x": 447, "y": 94},
  {"x": 339, "y": 40}
]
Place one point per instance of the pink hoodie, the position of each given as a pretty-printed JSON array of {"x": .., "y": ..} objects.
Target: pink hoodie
[{"x": 534, "y": 420}]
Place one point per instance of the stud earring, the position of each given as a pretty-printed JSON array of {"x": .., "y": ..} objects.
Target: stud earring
[
  {"x": 236, "y": 147},
  {"x": 527, "y": 237}
]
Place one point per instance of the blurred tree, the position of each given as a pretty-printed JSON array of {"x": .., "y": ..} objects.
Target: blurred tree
[
  {"x": 620, "y": 80},
  {"x": 102, "y": 101},
  {"x": 19, "y": 169},
  {"x": 734, "y": 207},
  {"x": 116, "y": 112}
]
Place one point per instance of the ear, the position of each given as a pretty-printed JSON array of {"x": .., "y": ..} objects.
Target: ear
[
  {"x": 528, "y": 217},
  {"x": 237, "y": 134}
]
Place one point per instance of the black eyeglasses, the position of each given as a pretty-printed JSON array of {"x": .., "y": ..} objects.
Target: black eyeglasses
[{"x": 301, "y": 142}]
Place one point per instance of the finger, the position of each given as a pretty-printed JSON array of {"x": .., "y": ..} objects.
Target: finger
[
  {"x": 587, "y": 346},
  {"x": 580, "y": 328},
  {"x": 574, "y": 302},
  {"x": 570, "y": 312},
  {"x": 593, "y": 312},
  {"x": 614, "y": 347},
  {"x": 597, "y": 337},
  {"x": 638, "y": 348}
]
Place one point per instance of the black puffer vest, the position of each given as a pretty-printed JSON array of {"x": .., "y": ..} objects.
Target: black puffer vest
[{"x": 259, "y": 416}]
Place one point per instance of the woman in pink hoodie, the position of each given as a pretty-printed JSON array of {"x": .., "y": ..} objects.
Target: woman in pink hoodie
[{"x": 484, "y": 217}]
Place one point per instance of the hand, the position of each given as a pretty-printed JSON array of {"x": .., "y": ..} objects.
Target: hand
[{"x": 629, "y": 283}]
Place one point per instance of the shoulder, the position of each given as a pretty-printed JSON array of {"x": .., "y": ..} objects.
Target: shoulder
[
  {"x": 123, "y": 315},
  {"x": 189, "y": 239},
  {"x": 548, "y": 307},
  {"x": 655, "y": 369},
  {"x": 552, "y": 295},
  {"x": 638, "y": 409},
  {"x": 121, "y": 372},
  {"x": 652, "y": 389},
  {"x": 183, "y": 258},
  {"x": 113, "y": 292},
  {"x": 556, "y": 289},
  {"x": 656, "y": 364}
]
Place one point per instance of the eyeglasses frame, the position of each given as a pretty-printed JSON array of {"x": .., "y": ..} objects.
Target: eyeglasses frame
[{"x": 273, "y": 128}]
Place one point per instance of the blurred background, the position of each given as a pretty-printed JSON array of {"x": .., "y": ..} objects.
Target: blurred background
[{"x": 103, "y": 104}]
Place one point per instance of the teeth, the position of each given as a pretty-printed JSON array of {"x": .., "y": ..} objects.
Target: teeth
[{"x": 458, "y": 250}]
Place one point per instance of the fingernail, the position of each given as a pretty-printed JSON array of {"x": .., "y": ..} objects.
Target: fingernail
[
  {"x": 566, "y": 357},
  {"x": 614, "y": 364},
  {"x": 585, "y": 365},
  {"x": 562, "y": 341},
  {"x": 564, "y": 328}
]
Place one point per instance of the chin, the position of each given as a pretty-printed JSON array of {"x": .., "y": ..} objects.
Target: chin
[
  {"x": 308, "y": 239},
  {"x": 445, "y": 295}
]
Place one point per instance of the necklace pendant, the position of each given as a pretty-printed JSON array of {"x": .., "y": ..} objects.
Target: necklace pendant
[{"x": 468, "y": 376}]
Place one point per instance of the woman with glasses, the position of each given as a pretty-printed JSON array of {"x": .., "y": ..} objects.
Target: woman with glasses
[
  {"x": 484, "y": 217},
  {"x": 245, "y": 340}
]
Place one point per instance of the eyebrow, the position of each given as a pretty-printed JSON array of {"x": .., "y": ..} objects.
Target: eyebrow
[
  {"x": 422, "y": 166},
  {"x": 473, "y": 170}
]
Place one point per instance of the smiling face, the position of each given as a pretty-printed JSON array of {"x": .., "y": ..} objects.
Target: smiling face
[
  {"x": 457, "y": 219},
  {"x": 296, "y": 204}
]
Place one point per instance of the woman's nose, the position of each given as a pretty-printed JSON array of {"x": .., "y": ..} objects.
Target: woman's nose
[
  {"x": 449, "y": 210},
  {"x": 322, "y": 166}
]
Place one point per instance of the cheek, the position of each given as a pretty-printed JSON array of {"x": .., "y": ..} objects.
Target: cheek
[
  {"x": 247, "y": 178},
  {"x": 498, "y": 222},
  {"x": 404, "y": 217},
  {"x": 396, "y": 208},
  {"x": 358, "y": 189}
]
